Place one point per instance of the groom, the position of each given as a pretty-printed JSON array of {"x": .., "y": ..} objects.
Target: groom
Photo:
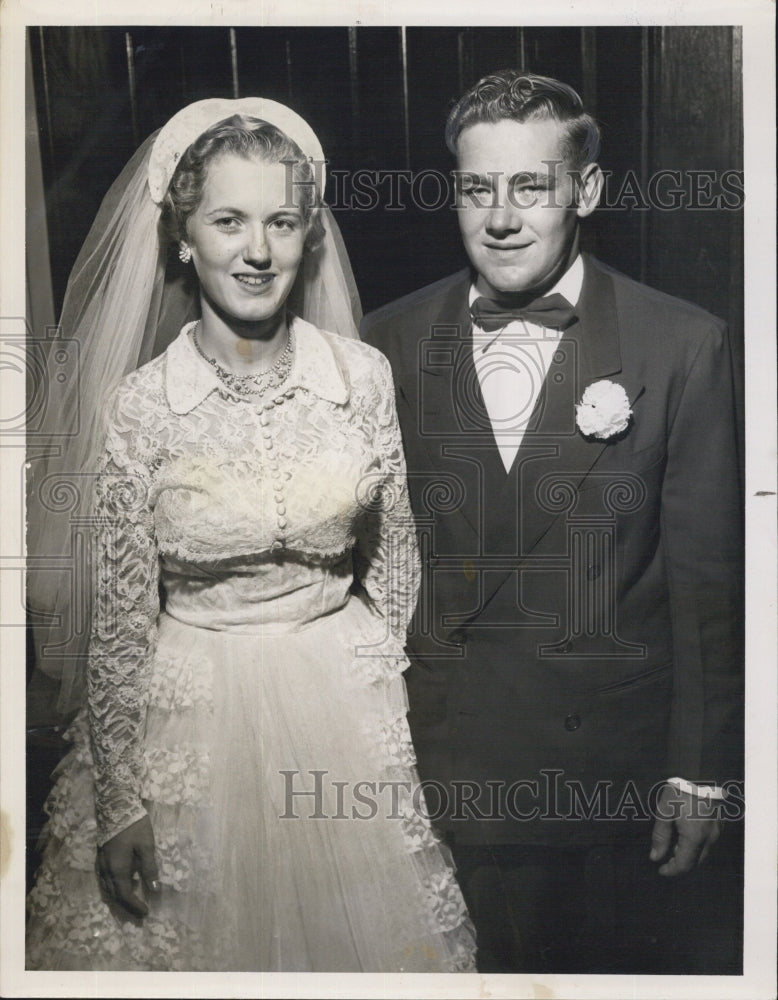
[{"x": 576, "y": 665}]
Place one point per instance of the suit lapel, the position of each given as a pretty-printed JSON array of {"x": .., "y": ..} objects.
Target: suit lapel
[
  {"x": 448, "y": 409},
  {"x": 588, "y": 351}
]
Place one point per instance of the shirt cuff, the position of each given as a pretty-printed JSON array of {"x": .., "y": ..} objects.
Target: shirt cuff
[{"x": 702, "y": 791}]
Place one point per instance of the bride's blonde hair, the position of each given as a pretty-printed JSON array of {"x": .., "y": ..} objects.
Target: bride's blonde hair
[{"x": 248, "y": 137}]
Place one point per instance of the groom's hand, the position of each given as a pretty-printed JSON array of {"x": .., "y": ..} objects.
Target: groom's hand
[{"x": 687, "y": 825}]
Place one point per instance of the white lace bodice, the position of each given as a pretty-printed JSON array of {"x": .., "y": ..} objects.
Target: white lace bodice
[{"x": 237, "y": 514}]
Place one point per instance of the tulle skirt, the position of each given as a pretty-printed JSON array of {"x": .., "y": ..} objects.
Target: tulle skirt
[{"x": 289, "y": 825}]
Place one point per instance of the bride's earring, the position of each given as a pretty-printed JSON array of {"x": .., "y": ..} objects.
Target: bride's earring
[{"x": 185, "y": 254}]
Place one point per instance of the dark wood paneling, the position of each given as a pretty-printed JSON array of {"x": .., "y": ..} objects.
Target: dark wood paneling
[
  {"x": 207, "y": 67},
  {"x": 321, "y": 86},
  {"x": 166, "y": 72},
  {"x": 266, "y": 63},
  {"x": 556, "y": 52},
  {"x": 693, "y": 130},
  {"x": 617, "y": 225},
  {"x": 666, "y": 98},
  {"x": 374, "y": 234},
  {"x": 90, "y": 138},
  {"x": 487, "y": 50},
  {"x": 696, "y": 125}
]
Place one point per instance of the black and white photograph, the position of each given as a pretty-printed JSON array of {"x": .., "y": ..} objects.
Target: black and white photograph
[{"x": 388, "y": 442}]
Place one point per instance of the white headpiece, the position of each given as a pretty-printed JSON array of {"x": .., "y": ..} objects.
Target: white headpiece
[
  {"x": 190, "y": 123},
  {"x": 121, "y": 309}
]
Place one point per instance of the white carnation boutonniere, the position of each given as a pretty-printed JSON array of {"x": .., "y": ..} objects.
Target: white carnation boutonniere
[{"x": 604, "y": 410}]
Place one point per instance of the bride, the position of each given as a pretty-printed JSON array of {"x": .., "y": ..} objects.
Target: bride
[{"x": 241, "y": 791}]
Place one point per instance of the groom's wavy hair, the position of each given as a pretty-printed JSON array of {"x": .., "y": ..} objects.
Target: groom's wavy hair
[{"x": 516, "y": 96}]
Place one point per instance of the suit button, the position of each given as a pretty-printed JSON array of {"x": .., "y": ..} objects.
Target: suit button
[
  {"x": 563, "y": 647},
  {"x": 593, "y": 571},
  {"x": 572, "y": 722}
]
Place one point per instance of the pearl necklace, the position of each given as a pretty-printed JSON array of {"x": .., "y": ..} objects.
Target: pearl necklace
[{"x": 259, "y": 382}]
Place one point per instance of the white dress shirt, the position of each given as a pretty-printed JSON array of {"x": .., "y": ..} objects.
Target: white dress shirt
[{"x": 512, "y": 364}]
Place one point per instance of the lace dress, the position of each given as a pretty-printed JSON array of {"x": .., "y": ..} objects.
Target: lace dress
[{"x": 256, "y": 711}]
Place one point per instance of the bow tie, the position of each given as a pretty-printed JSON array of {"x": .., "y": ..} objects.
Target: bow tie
[{"x": 549, "y": 310}]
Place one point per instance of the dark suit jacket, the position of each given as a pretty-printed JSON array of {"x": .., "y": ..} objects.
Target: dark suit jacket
[{"x": 577, "y": 638}]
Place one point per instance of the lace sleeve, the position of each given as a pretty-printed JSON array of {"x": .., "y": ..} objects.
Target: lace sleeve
[
  {"x": 386, "y": 556},
  {"x": 124, "y": 621}
]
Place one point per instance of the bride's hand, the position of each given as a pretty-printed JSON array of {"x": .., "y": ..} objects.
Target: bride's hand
[{"x": 119, "y": 858}]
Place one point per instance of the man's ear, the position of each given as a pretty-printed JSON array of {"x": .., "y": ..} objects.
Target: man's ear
[{"x": 588, "y": 184}]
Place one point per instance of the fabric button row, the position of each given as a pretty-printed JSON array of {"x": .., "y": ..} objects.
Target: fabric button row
[{"x": 275, "y": 472}]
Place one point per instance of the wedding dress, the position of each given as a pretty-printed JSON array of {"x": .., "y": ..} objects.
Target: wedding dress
[{"x": 256, "y": 573}]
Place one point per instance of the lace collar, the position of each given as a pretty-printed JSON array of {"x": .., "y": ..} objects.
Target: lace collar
[{"x": 188, "y": 380}]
